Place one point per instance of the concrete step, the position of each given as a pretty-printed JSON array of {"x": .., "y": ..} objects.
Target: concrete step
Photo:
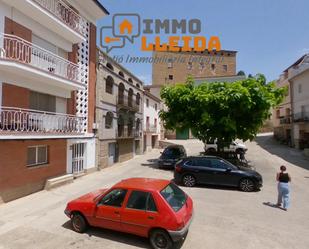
[{"x": 58, "y": 181}]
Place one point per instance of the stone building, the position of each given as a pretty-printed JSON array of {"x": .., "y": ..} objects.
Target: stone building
[{"x": 119, "y": 112}]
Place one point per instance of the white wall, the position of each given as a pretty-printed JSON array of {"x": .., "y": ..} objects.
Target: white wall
[
  {"x": 302, "y": 98},
  {"x": 151, "y": 113}
]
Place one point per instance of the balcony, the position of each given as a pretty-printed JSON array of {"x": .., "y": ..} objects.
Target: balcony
[
  {"x": 25, "y": 121},
  {"x": 22, "y": 60},
  {"x": 151, "y": 128},
  {"x": 126, "y": 132},
  {"x": 301, "y": 117},
  {"x": 285, "y": 120},
  {"x": 125, "y": 102},
  {"x": 55, "y": 15}
]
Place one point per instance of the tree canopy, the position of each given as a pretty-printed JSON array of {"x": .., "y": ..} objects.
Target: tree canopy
[{"x": 220, "y": 110}]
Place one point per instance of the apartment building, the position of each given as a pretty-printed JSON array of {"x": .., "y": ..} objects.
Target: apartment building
[
  {"x": 282, "y": 114},
  {"x": 47, "y": 89},
  {"x": 152, "y": 124},
  {"x": 291, "y": 118},
  {"x": 119, "y": 112}
]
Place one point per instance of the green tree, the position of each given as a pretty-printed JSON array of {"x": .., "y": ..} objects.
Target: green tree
[
  {"x": 220, "y": 110},
  {"x": 240, "y": 73}
]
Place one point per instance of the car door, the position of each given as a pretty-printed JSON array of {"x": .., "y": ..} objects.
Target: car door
[
  {"x": 108, "y": 210},
  {"x": 140, "y": 213},
  {"x": 223, "y": 172},
  {"x": 202, "y": 170}
]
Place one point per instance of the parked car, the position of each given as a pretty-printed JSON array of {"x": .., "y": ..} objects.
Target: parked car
[
  {"x": 153, "y": 208},
  {"x": 171, "y": 155},
  {"x": 216, "y": 171},
  {"x": 233, "y": 147}
]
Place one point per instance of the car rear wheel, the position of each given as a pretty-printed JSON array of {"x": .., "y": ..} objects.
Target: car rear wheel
[
  {"x": 79, "y": 223},
  {"x": 160, "y": 239},
  {"x": 246, "y": 185},
  {"x": 189, "y": 180}
]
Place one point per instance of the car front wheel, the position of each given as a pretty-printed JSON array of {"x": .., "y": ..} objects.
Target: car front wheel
[
  {"x": 79, "y": 223},
  {"x": 189, "y": 180},
  {"x": 160, "y": 239},
  {"x": 246, "y": 185}
]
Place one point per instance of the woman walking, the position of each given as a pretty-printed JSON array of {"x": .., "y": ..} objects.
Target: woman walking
[{"x": 283, "y": 179}]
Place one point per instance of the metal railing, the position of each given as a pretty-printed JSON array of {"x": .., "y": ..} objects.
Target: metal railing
[
  {"x": 124, "y": 101},
  {"x": 151, "y": 128},
  {"x": 285, "y": 119},
  {"x": 127, "y": 132},
  {"x": 25, "y": 120},
  {"x": 66, "y": 14},
  {"x": 22, "y": 51},
  {"x": 301, "y": 117}
]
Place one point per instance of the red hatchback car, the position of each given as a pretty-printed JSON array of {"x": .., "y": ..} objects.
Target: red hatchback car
[{"x": 152, "y": 208}]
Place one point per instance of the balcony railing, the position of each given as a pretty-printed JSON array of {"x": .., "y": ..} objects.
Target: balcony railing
[
  {"x": 127, "y": 132},
  {"x": 301, "y": 117},
  {"x": 127, "y": 102},
  {"x": 22, "y": 51},
  {"x": 151, "y": 128},
  {"x": 285, "y": 119},
  {"x": 25, "y": 120},
  {"x": 65, "y": 14}
]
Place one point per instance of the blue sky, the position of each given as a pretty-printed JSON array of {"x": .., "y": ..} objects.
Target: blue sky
[{"x": 269, "y": 35}]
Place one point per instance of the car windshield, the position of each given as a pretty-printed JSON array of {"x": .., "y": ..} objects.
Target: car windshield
[
  {"x": 229, "y": 164},
  {"x": 174, "y": 196}
]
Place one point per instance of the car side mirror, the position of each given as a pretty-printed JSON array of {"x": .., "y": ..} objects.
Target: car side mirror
[{"x": 228, "y": 169}]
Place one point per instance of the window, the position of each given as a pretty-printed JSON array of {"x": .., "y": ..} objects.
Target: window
[
  {"x": 155, "y": 122},
  {"x": 170, "y": 77},
  {"x": 225, "y": 68},
  {"x": 189, "y": 65},
  {"x": 170, "y": 63},
  {"x": 109, "y": 84},
  {"x": 138, "y": 98},
  {"x": 174, "y": 196},
  {"x": 142, "y": 201},
  {"x": 138, "y": 200},
  {"x": 109, "y": 120},
  {"x": 130, "y": 80},
  {"x": 299, "y": 88},
  {"x": 37, "y": 155},
  {"x": 221, "y": 164},
  {"x": 42, "y": 102},
  {"x": 147, "y": 102},
  {"x": 138, "y": 86},
  {"x": 213, "y": 67},
  {"x": 108, "y": 65},
  {"x": 114, "y": 198},
  {"x": 201, "y": 162},
  {"x": 121, "y": 74},
  {"x": 156, "y": 107}
]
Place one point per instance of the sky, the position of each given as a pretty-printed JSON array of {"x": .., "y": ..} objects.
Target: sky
[{"x": 269, "y": 35}]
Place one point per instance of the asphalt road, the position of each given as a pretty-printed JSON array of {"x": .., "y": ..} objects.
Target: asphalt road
[{"x": 224, "y": 218}]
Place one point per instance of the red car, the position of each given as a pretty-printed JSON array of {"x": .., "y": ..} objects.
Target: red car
[{"x": 152, "y": 208}]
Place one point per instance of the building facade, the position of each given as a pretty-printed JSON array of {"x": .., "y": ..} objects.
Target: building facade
[
  {"x": 152, "y": 123},
  {"x": 169, "y": 68},
  {"x": 47, "y": 89},
  {"x": 291, "y": 118},
  {"x": 175, "y": 67},
  {"x": 119, "y": 112}
]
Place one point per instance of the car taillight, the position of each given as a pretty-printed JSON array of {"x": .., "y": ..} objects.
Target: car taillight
[{"x": 178, "y": 168}]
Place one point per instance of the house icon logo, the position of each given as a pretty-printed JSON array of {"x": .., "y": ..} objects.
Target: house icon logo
[{"x": 125, "y": 27}]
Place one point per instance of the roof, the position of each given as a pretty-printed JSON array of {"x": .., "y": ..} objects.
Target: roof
[
  {"x": 233, "y": 78},
  {"x": 296, "y": 62},
  {"x": 150, "y": 95},
  {"x": 101, "y": 7},
  {"x": 149, "y": 184}
]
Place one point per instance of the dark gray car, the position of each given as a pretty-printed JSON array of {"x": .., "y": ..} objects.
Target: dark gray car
[{"x": 171, "y": 155}]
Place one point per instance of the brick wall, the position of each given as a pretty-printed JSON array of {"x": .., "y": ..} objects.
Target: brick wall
[
  {"x": 92, "y": 77},
  {"x": 180, "y": 71},
  {"x": 16, "y": 179},
  {"x": 15, "y": 96}
]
